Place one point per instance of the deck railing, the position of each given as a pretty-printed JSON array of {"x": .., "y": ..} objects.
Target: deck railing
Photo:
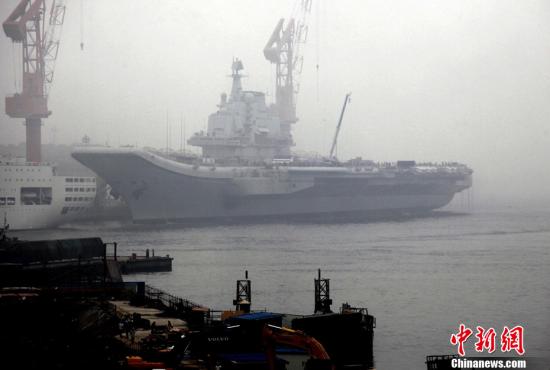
[{"x": 168, "y": 301}]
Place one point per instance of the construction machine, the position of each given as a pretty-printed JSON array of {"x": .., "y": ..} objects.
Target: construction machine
[{"x": 273, "y": 335}]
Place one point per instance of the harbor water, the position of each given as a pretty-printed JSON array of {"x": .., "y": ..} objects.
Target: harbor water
[{"x": 420, "y": 277}]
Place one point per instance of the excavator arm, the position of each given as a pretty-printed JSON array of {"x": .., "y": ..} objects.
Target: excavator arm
[{"x": 273, "y": 335}]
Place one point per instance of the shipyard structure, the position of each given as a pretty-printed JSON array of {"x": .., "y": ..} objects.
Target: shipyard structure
[
  {"x": 247, "y": 169},
  {"x": 32, "y": 194}
]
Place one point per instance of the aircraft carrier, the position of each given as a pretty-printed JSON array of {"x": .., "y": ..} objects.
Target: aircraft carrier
[{"x": 247, "y": 170}]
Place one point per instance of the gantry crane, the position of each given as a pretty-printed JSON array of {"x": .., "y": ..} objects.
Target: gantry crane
[
  {"x": 40, "y": 44},
  {"x": 283, "y": 50}
]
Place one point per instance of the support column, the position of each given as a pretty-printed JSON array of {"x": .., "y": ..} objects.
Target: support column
[{"x": 34, "y": 139}]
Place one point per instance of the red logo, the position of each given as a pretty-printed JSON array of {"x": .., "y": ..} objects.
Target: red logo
[
  {"x": 461, "y": 337},
  {"x": 510, "y": 339},
  {"x": 485, "y": 339}
]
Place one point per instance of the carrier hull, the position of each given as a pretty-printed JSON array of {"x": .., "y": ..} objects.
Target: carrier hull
[{"x": 160, "y": 190}]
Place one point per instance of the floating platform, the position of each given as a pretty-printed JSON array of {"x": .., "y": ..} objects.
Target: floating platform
[{"x": 135, "y": 264}]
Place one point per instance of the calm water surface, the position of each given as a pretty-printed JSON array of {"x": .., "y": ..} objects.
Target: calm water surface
[{"x": 420, "y": 278}]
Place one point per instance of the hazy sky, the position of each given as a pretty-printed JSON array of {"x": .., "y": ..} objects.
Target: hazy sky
[{"x": 438, "y": 80}]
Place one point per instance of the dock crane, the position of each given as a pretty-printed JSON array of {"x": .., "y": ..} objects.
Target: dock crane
[
  {"x": 30, "y": 25},
  {"x": 283, "y": 50},
  {"x": 332, "y": 155}
]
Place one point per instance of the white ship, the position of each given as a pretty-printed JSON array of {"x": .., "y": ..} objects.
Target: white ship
[{"x": 33, "y": 197}]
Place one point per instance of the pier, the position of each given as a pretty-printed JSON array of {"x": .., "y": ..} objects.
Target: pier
[{"x": 135, "y": 263}]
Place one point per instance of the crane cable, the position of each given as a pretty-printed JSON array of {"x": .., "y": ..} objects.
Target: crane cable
[
  {"x": 317, "y": 41},
  {"x": 14, "y": 62},
  {"x": 82, "y": 25}
]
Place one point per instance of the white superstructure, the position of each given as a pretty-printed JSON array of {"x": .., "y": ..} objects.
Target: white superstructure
[
  {"x": 33, "y": 197},
  {"x": 244, "y": 129}
]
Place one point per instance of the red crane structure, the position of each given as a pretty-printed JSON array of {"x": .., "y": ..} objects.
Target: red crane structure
[{"x": 40, "y": 44}]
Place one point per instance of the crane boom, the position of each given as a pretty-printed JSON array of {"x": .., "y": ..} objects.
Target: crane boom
[
  {"x": 335, "y": 140},
  {"x": 51, "y": 45}
]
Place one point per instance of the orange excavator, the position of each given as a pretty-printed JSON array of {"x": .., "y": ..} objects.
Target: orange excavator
[{"x": 273, "y": 335}]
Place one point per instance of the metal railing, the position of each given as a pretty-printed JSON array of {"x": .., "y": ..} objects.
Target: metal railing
[{"x": 168, "y": 301}]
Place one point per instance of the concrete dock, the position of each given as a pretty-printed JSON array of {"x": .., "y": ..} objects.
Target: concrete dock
[{"x": 153, "y": 315}]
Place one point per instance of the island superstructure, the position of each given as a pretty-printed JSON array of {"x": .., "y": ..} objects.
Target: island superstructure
[{"x": 244, "y": 130}]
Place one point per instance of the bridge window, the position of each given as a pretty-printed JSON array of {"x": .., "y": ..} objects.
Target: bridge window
[{"x": 36, "y": 196}]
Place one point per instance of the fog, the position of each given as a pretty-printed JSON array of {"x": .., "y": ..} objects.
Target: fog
[{"x": 461, "y": 80}]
